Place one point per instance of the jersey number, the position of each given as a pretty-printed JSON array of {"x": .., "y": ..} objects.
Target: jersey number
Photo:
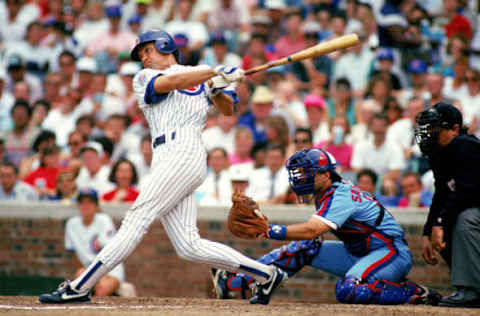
[{"x": 357, "y": 195}]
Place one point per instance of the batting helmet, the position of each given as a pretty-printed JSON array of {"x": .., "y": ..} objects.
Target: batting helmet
[
  {"x": 164, "y": 43},
  {"x": 431, "y": 121},
  {"x": 304, "y": 164}
]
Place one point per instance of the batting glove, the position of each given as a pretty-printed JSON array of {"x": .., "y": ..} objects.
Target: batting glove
[
  {"x": 218, "y": 83},
  {"x": 231, "y": 74}
]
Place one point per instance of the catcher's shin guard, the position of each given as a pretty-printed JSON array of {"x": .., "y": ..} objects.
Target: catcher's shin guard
[
  {"x": 293, "y": 257},
  {"x": 354, "y": 291}
]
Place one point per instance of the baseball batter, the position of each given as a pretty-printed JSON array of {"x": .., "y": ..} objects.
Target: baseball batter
[
  {"x": 175, "y": 100},
  {"x": 371, "y": 258}
]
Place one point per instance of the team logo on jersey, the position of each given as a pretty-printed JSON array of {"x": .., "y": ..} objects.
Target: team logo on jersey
[
  {"x": 95, "y": 245},
  {"x": 193, "y": 91},
  {"x": 142, "y": 79}
]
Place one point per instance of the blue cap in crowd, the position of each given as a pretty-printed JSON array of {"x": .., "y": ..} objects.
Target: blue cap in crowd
[
  {"x": 135, "y": 19},
  {"x": 113, "y": 11},
  {"x": 385, "y": 53},
  {"x": 88, "y": 192},
  {"x": 218, "y": 38},
  {"x": 417, "y": 66},
  {"x": 14, "y": 62},
  {"x": 181, "y": 40}
]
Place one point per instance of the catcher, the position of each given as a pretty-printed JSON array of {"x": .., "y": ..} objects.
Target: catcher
[{"x": 371, "y": 257}]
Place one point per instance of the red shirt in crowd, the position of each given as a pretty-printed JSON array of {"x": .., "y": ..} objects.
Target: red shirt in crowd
[
  {"x": 342, "y": 153},
  {"x": 43, "y": 174},
  {"x": 459, "y": 24},
  {"x": 130, "y": 197}
]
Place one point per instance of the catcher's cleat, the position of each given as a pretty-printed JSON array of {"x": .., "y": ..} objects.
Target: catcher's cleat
[
  {"x": 220, "y": 278},
  {"x": 263, "y": 292},
  {"x": 65, "y": 294},
  {"x": 428, "y": 296}
]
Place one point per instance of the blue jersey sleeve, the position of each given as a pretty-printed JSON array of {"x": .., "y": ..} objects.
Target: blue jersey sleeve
[
  {"x": 335, "y": 207},
  {"x": 151, "y": 96}
]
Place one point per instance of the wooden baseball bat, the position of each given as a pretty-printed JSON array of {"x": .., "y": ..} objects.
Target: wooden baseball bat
[{"x": 312, "y": 52}]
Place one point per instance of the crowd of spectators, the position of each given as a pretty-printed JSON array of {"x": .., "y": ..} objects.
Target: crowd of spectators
[{"x": 69, "y": 118}]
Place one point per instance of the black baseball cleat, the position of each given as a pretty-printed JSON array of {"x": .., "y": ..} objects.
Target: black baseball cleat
[
  {"x": 65, "y": 294},
  {"x": 263, "y": 292},
  {"x": 464, "y": 297},
  {"x": 428, "y": 296},
  {"x": 220, "y": 278}
]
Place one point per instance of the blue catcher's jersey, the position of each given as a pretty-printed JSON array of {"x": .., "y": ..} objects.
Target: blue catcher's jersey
[{"x": 353, "y": 216}]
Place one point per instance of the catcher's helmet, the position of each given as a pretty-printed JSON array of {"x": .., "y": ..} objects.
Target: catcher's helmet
[
  {"x": 164, "y": 43},
  {"x": 304, "y": 164},
  {"x": 431, "y": 121}
]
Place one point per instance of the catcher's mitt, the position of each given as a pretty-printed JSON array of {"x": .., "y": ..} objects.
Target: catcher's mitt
[{"x": 245, "y": 219}]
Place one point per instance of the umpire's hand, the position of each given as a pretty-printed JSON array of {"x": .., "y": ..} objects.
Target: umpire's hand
[{"x": 429, "y": 254}]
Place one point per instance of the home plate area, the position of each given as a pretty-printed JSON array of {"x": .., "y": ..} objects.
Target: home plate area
[{"x": 28, "y": 305}]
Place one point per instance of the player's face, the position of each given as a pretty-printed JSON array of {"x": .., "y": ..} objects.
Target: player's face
[
  {"x": 87, "y": 208},
  {"x": 7, "y": 177},
  {"x": 446, "y": 135},
  {"x": 152, "y": 58},
  {"x": 322, "y": 182}
]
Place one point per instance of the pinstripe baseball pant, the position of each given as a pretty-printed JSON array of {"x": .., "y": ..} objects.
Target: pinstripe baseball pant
[{"x": 179, "y": 166}]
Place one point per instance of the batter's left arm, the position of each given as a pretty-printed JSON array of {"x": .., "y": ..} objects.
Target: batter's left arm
[{"x": 223, "y": 102}]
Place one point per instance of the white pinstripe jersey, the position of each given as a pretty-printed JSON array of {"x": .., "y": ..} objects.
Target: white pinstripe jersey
[{"x": 175, "y": 110}]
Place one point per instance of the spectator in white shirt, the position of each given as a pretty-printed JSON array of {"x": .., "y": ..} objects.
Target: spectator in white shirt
[
  {"x": 471, "y": 102},
  {"x": 234, "y": 179},
  {"x": 208, "y": 193},
  {"x": 123, "y": 143},
  {"x": 402, "y": 131},
  {"x": 456, "y": 87},
  {"x": 218, "y": 54},
  {"x": 36, "y": 57},
  {"x": 417, "y": 70},
  {"x": 268, "y": 183},
  {"x": 378, "y": 154},
  {"x": 196, "y": 32},
  {"x": 62, "y": 120},
  {"x": 359, "y": 131},
  {"x": 94, "y": 23},
  {"x": 143, "y": 159},
  {"x": 222, "y": 135},
  {"x": 6, "y": 103},
  {"x": 17, "y": 71},
  {"x": 94, "y": 174},
  {"x": 362, "y": 57},
  {"x": 12, "y": 188},
  {"x": 158, "y": 13},
  {"x": 15, "y": 15}
]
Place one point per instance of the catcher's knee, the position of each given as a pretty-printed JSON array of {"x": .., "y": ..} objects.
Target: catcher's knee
[{"x": 293, "y": 256}]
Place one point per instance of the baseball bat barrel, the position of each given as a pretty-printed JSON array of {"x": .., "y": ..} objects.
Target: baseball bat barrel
[{"x": 323, "y": 48}]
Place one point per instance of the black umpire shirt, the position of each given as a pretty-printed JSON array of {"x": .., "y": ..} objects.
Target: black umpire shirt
[{"x": 456, "y": 168}]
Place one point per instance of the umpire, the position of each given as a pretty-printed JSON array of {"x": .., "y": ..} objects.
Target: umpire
[{"x": 453, "y": 223}]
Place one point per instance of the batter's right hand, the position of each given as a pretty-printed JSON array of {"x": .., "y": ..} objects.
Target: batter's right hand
[
  {"x": 429, "y": 254},
  {"x": 231, "y": 74}
]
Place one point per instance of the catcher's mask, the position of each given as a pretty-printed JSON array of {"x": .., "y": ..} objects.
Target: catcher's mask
[
  {"x": 431, "y": 121},
  {"x": 302, "y": 167}
]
